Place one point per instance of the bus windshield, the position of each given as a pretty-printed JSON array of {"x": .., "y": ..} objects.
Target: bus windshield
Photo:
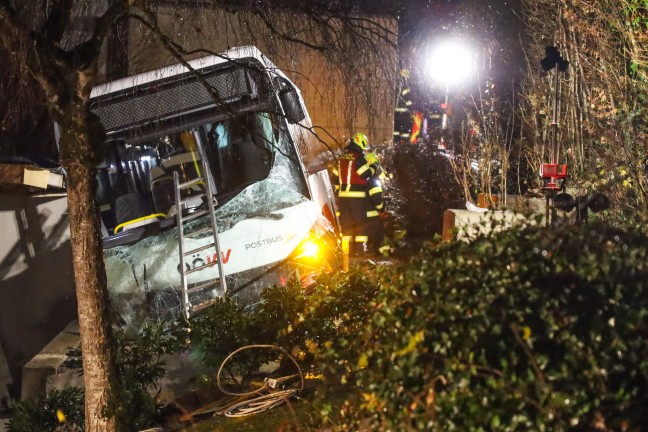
[{"x": 251, "y": 157}]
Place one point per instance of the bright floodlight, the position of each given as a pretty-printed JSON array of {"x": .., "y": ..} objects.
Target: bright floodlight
[{"x": 450, "y": 63}]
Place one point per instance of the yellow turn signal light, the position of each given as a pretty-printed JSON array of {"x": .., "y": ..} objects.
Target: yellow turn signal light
[{"x": 309, "y": 248}]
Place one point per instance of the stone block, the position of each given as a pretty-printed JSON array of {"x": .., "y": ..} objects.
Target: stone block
[{"x": 40, "y": 373}]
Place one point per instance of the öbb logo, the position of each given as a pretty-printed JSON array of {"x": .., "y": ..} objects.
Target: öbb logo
[{"x": 197, "y": 261}]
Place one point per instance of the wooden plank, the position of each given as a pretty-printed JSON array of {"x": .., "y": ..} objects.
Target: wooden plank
[
  {"x": 448, "y": 225},
  {"x": 11, "y": 174}
]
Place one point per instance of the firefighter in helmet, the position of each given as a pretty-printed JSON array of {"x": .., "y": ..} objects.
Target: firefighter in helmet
[
  {"x": 353, "y": 172},
  {"x": 375, "y": 208}
]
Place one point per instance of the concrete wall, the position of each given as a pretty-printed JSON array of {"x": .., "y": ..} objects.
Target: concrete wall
[
  {"x": 339, "y": 105},
  {"x": 45, "y": 371},
  {"x": 37, "y": 298},
  {"x": 463, "y": 224}
]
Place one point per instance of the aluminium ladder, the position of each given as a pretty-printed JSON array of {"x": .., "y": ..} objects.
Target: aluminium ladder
[{"x": 205, "y": 180}]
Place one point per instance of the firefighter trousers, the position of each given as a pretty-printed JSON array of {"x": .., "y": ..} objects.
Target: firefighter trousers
[{"x": 353, "y": 222}]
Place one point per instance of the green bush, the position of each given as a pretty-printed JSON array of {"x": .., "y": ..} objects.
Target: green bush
[
  {"x": 41, "y": 415},
  {"x": 219, "y": 330},
  {"x": 535, "y": 329},
  {"x": 140, "y": 367},
  {"x": 420, "y": 188}
]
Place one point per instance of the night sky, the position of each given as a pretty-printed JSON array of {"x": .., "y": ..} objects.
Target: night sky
[{"x": 491, "y": 27}]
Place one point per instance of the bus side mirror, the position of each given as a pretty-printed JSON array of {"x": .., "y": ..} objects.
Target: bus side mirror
[{"x": 292, "y": 107}]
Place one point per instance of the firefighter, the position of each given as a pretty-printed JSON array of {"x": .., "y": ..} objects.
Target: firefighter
[
  {"x": 376, "y": 209},
  {"x": 404, "y": 109},
  {"x": 353, "y": 172},
  {"x": 375, "y": 214}
]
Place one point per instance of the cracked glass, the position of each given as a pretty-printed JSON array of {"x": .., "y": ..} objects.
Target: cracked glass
[{"x": 256, "y": 173}]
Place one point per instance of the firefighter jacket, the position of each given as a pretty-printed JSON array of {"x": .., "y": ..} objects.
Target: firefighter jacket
[{"x": 353, "y": 172}]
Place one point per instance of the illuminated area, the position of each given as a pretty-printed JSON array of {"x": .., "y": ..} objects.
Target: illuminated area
[
  {"x": 308, "y": 249},
  {"x": 450, "y": 62},
  {"x": 317, "y": 253}
]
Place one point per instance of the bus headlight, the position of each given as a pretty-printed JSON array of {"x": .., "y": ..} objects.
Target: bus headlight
[
  {"x": 317, "y": 253},
  {"x": 308, "y": 249},
  {"x": 317, "y": 250}
]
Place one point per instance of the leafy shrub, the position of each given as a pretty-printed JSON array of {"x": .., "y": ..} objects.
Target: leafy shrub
[
  {"x": 219, "y": 330},
  {"x": 41, "y": 415},
  {"x": 289, "y": 316},
  {"x": 535, "y": 329},
  {"x": 140, "y": 367},
  {"x": 421, "y": 187}
]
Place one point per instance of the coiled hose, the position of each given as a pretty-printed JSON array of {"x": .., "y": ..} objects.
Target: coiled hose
[{"x": 263, "y": 402}]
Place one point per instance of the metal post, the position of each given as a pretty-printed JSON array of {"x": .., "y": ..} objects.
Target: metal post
[
  {"x": 554, "y": 141},
  {"x": 554, "y": 121},
  {"x": 186, "y": 306}
]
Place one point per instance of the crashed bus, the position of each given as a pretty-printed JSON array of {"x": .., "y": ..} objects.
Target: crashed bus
[{"x": 212, "y": 184}]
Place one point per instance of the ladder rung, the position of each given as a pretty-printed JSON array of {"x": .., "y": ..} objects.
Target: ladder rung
[
  {"x": 201, "y": 248},
  {"x": 191, "y": 183},
  {"x": 202, "y": 305},
  {"x": 204, "y": 293},
  {"x": 203, "y": 285},
  {"x": 193, "y": 234},
  {"x": 202, "y": 267},
  {"x": 195, "y": 215},
  {"x": 191, "y": 198}
]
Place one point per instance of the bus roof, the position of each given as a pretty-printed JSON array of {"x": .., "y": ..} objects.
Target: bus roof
[{"x": 248, "y": 51}]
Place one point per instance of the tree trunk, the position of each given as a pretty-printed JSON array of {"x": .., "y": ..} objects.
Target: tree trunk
[{"x": 92, "y": 297}]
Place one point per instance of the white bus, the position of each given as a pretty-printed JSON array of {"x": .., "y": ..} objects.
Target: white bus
[{"x": 234, "y": 131}]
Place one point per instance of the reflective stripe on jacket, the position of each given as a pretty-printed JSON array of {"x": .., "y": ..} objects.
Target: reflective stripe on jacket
[
  {"x": 352, "y": 194},
  {"x": 375, "y": 192},
  {"x": 354, "y": 170}
]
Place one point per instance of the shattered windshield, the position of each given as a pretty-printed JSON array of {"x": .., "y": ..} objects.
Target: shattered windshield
[
  {"x": 258, "y": 180},
  {"x": 254, "y": 167}
]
